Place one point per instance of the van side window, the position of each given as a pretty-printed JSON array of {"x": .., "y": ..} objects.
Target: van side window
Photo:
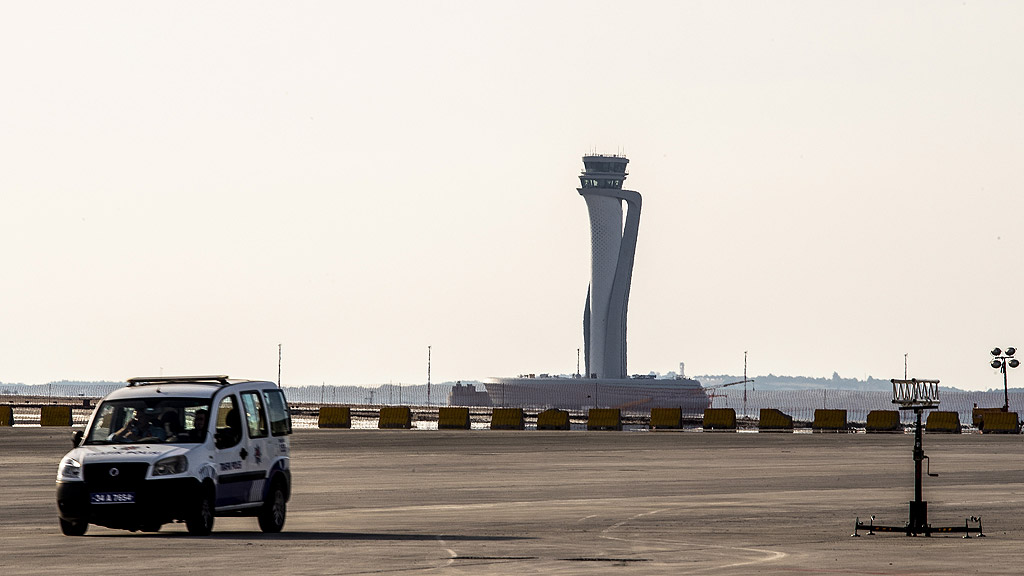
[
  {"x": 280, "y": 418},
  {"x": 255, "y": 419},
  {"x": 229, "y": 423}
]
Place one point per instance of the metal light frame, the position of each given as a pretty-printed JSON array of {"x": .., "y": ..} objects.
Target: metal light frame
[{"x": 918, "y": 395}]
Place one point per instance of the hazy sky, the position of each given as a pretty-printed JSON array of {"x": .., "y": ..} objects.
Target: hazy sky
[{"x": 827, "y": 185}]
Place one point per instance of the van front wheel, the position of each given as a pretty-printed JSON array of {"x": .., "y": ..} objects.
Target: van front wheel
[
  {"x": 72, "y": 528},
  {"x": 200, "y": 522}
]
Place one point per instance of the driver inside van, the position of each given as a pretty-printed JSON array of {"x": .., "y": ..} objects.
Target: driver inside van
[{"x": 140, "y": 427}]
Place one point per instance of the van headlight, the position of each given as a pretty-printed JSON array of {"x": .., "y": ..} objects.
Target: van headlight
[
  {"x": 69, "y": 470},
  {"x": 172, "y": 465}
]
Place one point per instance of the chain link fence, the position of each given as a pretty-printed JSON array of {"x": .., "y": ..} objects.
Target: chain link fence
[{"x": 800, "y": 404}]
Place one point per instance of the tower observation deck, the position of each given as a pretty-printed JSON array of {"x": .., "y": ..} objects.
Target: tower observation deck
[{"x": 612, "y": 250}]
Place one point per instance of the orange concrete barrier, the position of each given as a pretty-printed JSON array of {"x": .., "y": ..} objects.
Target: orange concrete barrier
[
  {"x": 666, "y": 418},
  {"x": 604, "y": 419},
  {"x": 453, "y": 418},
  {"x": 772, "y": 420},
  {"x": 719, "y": 419},
  {"x": 508, "y": 419},
  {"x": 829, "y": 421},
  {"x": 334, "y": 417},
  {"x": 942, "y": 422},
  {"x": 395, "y": 417},
  {"x": 553, "y": 419},
  {"x": 883, "y": 421}
]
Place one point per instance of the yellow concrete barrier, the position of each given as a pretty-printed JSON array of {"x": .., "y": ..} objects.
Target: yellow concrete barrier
[
  {"x": 55, "y": 416},
  {"x": 6, "y": 416},
  {"x": 978, "y": 416},
  {"x": 335, "y": 417},
  {"x": 772, "y": 420},
  {"x": 395, "y": 417},
  {"x": 553, "y": 419},
  {"x": 719, "y": 419},
  {"x": 666, "y": 418},
  {"x": 883, "y": 421},
  {"x": 942, "y": 422},
  {"x": 604, "y": 419},
  {"x": 1001, "y": 423},
  {"x": 829, "y": 421},
  {"x": 508, "y": 419},
  {"x": 453, "y": 418}
]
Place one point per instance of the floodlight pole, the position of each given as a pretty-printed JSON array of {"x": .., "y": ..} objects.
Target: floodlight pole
[
  {"x": 918, "y": 508},
  {"x": 917, "y": 395},
  {"x": 1006, "y": 391}
]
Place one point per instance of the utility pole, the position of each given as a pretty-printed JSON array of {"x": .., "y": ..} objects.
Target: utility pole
[
  {"x": 744, "y": 383},
  {"x": 278, "y": 365},
  {"x": 428, "y": 375}
]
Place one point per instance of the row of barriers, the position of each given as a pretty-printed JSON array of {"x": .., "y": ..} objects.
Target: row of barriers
[
  {"x": 714, "y": 419},
  {"x": 48, "y": 416},
  {"x": 988, "y": 421},
  {"x": 458, "y": 418}
]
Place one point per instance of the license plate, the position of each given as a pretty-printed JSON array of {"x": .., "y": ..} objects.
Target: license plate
[{"x": 113, "y": 497}]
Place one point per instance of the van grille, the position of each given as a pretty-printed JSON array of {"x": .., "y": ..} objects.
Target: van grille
[{"x": 101, "y": 476}]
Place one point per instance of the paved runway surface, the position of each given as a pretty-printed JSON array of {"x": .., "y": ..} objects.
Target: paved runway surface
[{"x": 529, "y": 502}]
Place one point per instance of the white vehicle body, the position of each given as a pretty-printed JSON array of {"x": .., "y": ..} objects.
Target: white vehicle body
[{"x": 183, "y": 449}]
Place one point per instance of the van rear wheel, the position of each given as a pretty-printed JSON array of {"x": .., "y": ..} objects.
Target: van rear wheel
[{"x": 275, "y": 508}]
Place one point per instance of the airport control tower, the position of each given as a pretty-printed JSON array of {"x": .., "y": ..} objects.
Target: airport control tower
[{"x": 612, "y": 247}]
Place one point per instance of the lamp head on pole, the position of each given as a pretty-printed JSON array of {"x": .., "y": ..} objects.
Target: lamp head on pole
[
  {"x": 997, "y": 363},
  {"x": 1011, "y": 351},
  {"x": 996, "y": 352}
]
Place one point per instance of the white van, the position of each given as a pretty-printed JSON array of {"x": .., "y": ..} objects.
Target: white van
[{"x": 179, "y": 449}]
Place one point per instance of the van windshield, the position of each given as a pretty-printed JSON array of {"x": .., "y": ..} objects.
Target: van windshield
[{"x": 150, "y": 421}]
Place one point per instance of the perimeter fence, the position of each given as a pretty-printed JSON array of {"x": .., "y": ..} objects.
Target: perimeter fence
[{"x": 800, "y": 404}]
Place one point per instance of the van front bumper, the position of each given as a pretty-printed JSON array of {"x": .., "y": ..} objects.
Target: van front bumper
[{"x": 156, "y": 501}]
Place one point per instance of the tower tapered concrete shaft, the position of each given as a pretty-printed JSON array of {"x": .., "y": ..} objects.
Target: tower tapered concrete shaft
[{"x": 612, "y": 248}]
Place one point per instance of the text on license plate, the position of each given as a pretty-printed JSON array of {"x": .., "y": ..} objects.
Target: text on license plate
[{"x": 113, "y": 497}]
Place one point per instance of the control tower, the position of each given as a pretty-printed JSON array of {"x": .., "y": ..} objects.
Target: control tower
[{"x": 612, "y": 248}]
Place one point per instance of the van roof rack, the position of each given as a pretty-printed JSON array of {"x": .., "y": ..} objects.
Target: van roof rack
[{"x": 144, "y": 380}]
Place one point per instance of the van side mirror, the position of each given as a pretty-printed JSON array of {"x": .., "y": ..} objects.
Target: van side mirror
[{"x": 76, "y": 438}]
